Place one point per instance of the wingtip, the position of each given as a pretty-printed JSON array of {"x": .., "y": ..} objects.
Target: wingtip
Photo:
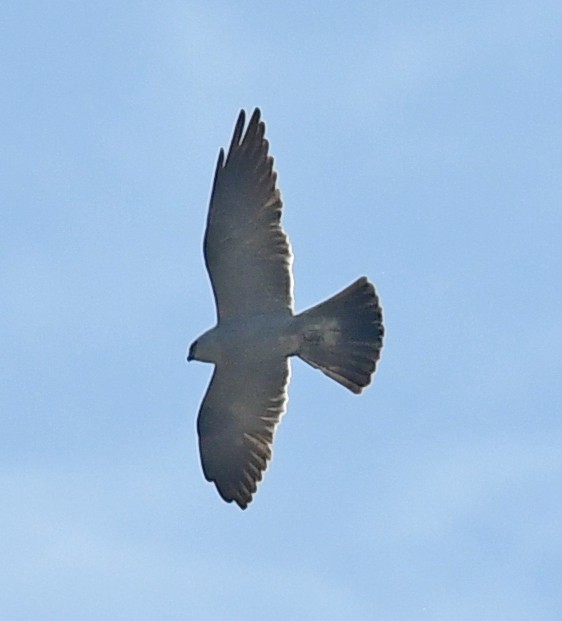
[
  {"x": 256, "y": 114},
  {"x": 231, "y": 496},
  {"x": 241, "y": 117},
  {"x": 238, "y": 129},
  {"x": 256, "y": 127},
  {"x": 243, "y": 505}
]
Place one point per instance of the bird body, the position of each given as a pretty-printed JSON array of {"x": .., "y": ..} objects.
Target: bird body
[
  {"x": 249, "y": 260},
  {"x": 261, "y": 333}
]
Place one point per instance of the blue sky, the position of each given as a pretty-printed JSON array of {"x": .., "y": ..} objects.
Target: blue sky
[{"x": 416, "y": 143}]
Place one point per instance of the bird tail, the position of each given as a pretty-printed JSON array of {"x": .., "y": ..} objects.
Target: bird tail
[{"x": 343, "y": 335}]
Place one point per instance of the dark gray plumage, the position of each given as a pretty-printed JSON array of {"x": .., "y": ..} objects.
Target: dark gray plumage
[{"x": 249, "y": 261}]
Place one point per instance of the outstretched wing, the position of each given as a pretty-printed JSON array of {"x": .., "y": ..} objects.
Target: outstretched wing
[
  {"x": 237, "y": 422},
  {"x": 247, "y": 253}
]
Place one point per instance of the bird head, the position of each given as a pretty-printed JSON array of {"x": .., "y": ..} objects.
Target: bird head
[{"x": 192, "y": 354}]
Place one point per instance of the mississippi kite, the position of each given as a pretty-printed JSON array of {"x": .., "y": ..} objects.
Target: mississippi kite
[{"x": 249, "y": 261}]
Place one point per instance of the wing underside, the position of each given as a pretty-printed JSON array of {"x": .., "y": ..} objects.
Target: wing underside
[
  {"x": 237, "y": 422},
  {"x": 247, "y": 253}
]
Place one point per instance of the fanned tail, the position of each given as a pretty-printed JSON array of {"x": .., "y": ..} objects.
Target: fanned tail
[{"x": 343, "y": 336}]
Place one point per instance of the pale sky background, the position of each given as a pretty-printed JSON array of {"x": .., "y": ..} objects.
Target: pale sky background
[{"x": 419, "y": 143}]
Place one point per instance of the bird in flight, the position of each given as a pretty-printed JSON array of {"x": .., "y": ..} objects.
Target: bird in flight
[{"x": 249, "y": 260}]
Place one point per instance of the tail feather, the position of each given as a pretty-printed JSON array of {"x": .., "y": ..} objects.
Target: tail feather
[{"x": 343, "y": 335}]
